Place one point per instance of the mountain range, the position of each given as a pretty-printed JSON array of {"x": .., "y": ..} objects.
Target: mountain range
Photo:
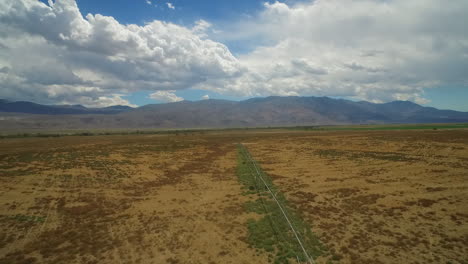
[
  {"x": 33, "y": 108},
  {"x": 213, "y": 113}
]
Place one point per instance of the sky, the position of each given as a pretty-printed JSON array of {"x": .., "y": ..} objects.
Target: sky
[{"x": 137, "y": 52}]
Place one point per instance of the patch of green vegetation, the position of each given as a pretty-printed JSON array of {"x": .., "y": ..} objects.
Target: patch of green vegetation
[
  {"x": 272, "y": 232},
  {"x": 185, "y": 132},
  {"x": 27, "y": 135},
  {"x": 113, "y": 132},
  {"x": 352, "y": 155},
  {"x": 330, "y": 153},
  {"x": 18, "y": 164},
  {"x": 28, "y": 218},
  {"x": 383, "y": 127}
]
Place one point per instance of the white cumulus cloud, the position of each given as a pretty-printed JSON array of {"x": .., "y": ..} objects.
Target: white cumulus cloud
[
  {"x": 201, "y": 27},
  {"x": 56, "y": 55},
  {"x": 367, "y": 49},
  {"x": 166, "y": 96}
]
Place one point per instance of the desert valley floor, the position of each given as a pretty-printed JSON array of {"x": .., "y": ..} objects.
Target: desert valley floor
[{"x": 369, "y": 196}]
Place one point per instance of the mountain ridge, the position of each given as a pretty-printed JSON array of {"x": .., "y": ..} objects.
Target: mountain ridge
[
  {"x": 216, "y": 113},
  {"x": 35, "y": 108}
]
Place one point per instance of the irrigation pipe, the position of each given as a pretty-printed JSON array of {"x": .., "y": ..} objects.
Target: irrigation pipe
[{"x": 309, "y": 259}]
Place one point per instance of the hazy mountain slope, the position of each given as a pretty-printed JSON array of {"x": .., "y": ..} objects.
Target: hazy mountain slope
[
  {"x": 33, "y": 108},
  {"x": 269, "y": 111}
]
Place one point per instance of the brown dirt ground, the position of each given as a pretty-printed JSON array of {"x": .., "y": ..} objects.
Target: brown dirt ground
[
  {"x": 372, "y": 197},
  {"x": 377, "y": 196},
  {"x": 122, "y": 199}
]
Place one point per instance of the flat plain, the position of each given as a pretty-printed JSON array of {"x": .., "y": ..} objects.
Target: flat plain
[{"x": 369, "y": 196}]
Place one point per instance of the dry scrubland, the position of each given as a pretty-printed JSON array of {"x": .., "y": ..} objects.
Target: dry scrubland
[{"x": 370, "y": 197}]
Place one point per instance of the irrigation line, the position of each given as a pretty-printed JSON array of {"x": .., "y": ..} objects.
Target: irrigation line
[
  {"x": 276, "y": 231},
  {"x": 309, "y": 259},
  {"x": 272, "y": 223}
]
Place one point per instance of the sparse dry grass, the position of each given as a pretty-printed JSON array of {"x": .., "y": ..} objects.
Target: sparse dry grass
[
  {"x": 378, "y": 197},
  {"x": 371, "y": 197},
  {"x": 121, "y": 199}
]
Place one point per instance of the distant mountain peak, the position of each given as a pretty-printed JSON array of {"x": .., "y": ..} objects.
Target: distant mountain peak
[
  {"x": 119, "y": 107},
  {"x": 265, "y": 111},
  {"x": 400, "y": 102}
]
